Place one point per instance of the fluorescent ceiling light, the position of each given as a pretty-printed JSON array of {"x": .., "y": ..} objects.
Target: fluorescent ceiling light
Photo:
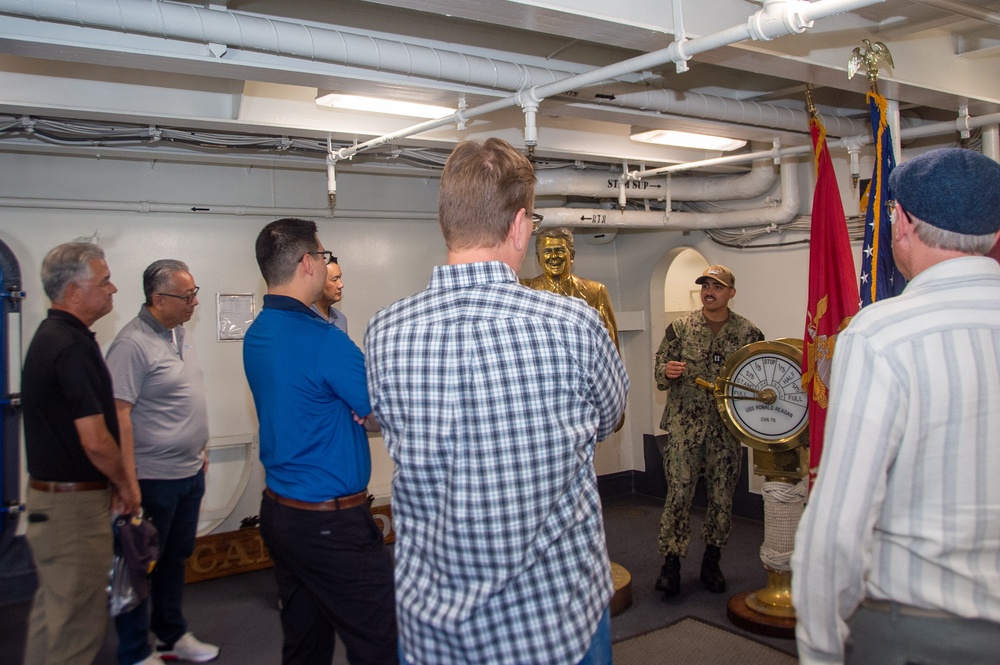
[
  {"x": 687, "y": 140},
  {"x": 376, "y": 105}
]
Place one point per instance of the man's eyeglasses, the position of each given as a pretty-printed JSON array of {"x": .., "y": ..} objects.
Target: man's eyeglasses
[
  {"x": 326, "y": 256},
  {"x": 536, "y": 221},
  {"x": 186, "y": 298}
]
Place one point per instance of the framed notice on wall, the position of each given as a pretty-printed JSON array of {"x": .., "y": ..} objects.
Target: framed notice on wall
[{"x": 235, "y": 314}]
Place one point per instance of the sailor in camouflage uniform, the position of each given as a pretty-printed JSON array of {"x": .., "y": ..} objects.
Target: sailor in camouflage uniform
[{"x": 696, "y": 346}]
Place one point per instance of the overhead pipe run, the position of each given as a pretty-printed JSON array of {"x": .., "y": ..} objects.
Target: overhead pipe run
[
  {"x": 594, "y": 185},
  {"x": 960, "y": 124},
  {"x": 595, "y": 219},
  {"x": 606, "y": 184},
  {"x": 786, "y": 212},
  {"x": 212, "y": 26},
  {"x": 775, "y": 19},
  {"x": 148, "y": 207}
]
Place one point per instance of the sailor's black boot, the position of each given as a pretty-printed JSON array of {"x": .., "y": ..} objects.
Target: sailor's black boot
[
  {"x": 669, "y": 581},
  {"x": 711, "y": 574}
]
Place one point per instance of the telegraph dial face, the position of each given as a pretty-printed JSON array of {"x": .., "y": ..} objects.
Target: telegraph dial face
[{"x": 760, "y": 395}]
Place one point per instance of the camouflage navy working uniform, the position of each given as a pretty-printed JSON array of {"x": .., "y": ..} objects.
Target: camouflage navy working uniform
[{"x": 698, "y": 442}]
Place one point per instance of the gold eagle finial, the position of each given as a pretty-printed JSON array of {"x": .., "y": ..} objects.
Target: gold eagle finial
[{"x": 868, "y": 59}]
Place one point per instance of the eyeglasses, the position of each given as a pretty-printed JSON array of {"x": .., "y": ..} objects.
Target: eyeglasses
[
  {"x": 326, "y": 255},
  {"x": 186, "y": 298},
  {"x": 536, "y": 221}
]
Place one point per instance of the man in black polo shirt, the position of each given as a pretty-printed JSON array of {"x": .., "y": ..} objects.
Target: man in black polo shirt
[{"x": 76, "y": 466}]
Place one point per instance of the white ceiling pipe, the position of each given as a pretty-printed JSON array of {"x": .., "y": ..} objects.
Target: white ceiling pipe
[
  {"x": 776, "y": 18},
  {"x": 291, "y": 39},
  {"x": 591, "y": 219},
  {"x": 960, "y": 124},
  {"x": 774, "y": 153},
  {"x": 146, "y": 207},
  {"x": 604, "y": 184}
]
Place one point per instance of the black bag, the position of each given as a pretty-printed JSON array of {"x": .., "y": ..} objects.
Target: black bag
[{"x": 137, "y": 547}]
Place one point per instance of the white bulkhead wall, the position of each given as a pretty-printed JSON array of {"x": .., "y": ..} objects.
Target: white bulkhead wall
[{"x": 387, "y": 250}]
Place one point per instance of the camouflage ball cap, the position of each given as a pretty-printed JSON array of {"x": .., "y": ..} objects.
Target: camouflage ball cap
[{"x": 720, "y": 274}]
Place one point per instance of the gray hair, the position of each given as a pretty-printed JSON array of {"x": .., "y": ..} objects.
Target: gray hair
[
  {"x": 67, "y": 264},
  {"x": 938, "y": 238},
  {"x": 157, "y": 274}
]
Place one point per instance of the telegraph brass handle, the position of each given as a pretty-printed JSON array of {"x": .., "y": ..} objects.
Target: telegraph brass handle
[{"x": 767, "y": 396}]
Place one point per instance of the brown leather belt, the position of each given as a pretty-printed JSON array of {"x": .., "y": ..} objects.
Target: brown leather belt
[
  {"x": 52, "y": 486},
  {"x": 340, "y": 503},
  {"x": 888, "y": 606}
]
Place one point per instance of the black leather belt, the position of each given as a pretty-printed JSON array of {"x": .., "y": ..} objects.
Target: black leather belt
[
  {"x": 54, "y": 486},
  {"x": 340, "y": 503}
]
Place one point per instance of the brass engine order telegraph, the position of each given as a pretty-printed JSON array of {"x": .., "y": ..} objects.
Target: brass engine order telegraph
[{"x": 760, "y": 397}]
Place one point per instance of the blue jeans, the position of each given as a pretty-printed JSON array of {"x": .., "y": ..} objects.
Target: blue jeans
[
  {"x": 599, "y": 652},
  {"x": 173, "y": 507}
]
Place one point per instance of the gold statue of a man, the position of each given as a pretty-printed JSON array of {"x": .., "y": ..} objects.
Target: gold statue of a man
[{"x": 554, "y": 249}]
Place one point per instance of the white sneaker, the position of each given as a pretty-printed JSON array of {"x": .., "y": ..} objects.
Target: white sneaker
[{"x": 188, "y": 648}]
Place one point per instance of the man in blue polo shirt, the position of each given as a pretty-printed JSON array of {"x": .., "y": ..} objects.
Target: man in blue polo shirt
[{"x": 308, "y": 382}]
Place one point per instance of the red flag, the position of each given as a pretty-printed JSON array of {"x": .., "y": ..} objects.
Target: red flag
[{"x": 833, "y": 295}]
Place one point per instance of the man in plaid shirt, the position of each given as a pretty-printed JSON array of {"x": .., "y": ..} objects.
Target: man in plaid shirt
[{"x": 492, "y": 397}]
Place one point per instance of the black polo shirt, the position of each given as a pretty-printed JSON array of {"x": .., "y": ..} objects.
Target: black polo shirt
[{"x": 64, "y": 378}]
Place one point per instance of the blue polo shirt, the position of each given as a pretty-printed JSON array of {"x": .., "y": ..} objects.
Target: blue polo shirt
[{"x": 307, "y": 377}]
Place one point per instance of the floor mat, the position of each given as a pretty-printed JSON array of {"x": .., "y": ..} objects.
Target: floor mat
[{"x": 691, "y": 641}]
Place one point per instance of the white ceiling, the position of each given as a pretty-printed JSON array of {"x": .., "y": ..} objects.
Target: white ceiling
[{"x": 155, "y": 64}]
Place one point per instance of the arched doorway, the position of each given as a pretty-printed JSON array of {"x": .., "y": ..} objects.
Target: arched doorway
[{"x": 672, "y": 294}]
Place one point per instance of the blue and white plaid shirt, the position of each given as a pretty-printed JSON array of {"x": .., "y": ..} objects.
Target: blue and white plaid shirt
[{"x": 491, "y": 397}]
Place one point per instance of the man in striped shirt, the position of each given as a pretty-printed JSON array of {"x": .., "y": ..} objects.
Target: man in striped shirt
[{"x": 897, "y": 557}]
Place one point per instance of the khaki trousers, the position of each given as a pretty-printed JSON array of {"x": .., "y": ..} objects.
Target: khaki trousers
[{"x": 70, "y": 538}]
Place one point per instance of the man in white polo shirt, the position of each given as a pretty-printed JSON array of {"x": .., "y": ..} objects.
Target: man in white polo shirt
[{"x": 160, "y": 398}]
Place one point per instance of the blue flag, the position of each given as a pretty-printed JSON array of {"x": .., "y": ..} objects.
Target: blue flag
[{"x": 879, "y": 276}]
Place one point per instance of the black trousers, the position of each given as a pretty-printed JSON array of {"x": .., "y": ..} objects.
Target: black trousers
[{"x": 334, "y": 573}]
